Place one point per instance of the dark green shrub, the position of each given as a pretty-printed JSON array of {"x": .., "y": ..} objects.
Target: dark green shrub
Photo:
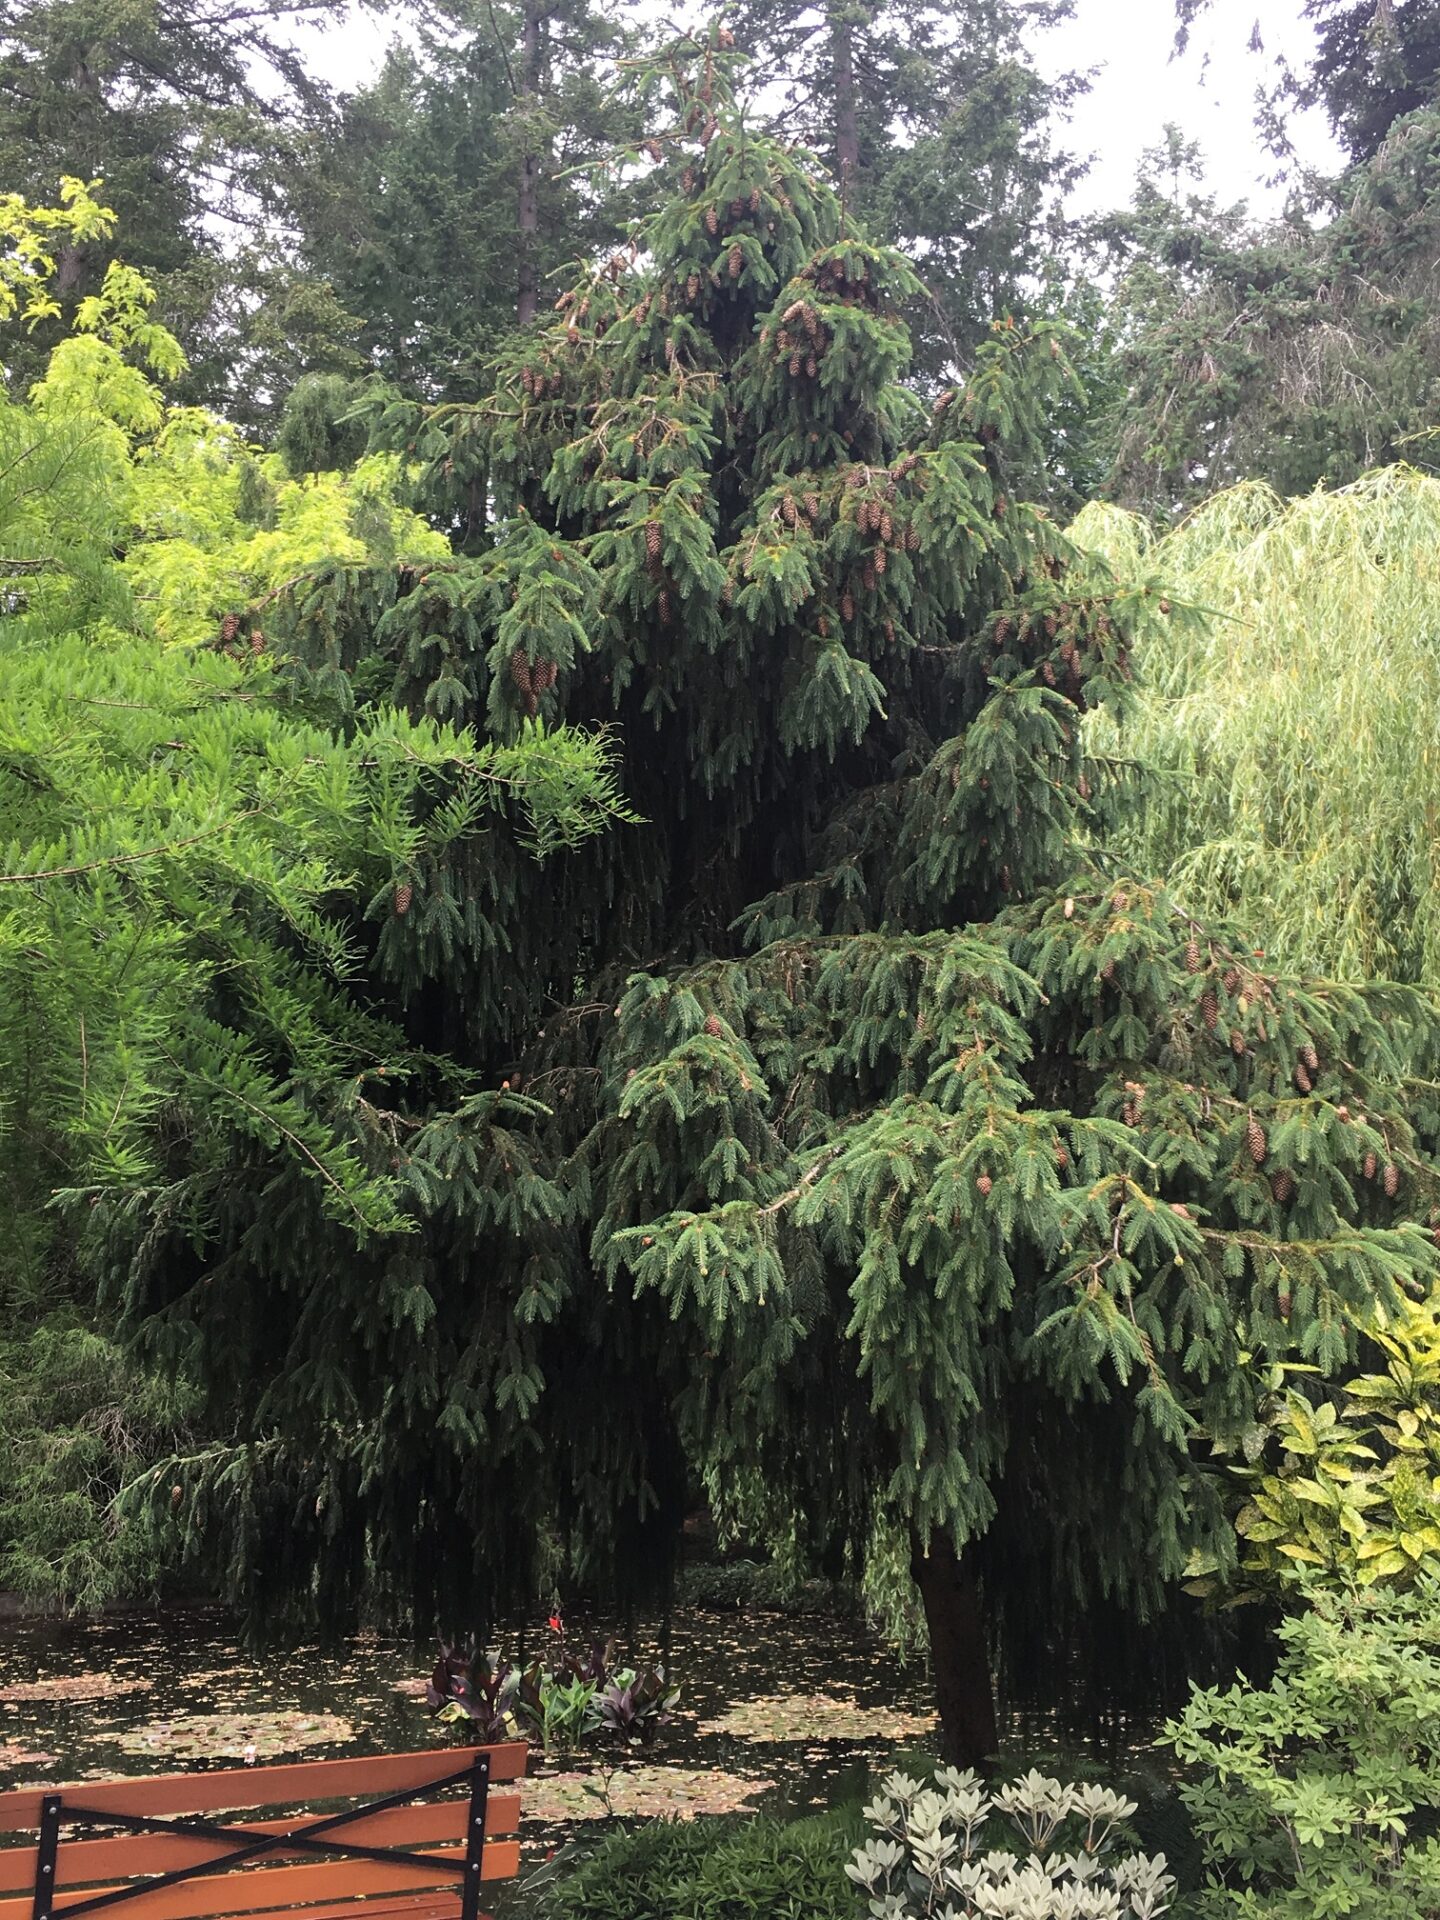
[
  {"x": 743, "y": 1586},
  {"x": 733, "y": 1869}
]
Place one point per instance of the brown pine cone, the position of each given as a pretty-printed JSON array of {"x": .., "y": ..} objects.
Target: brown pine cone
[
  {"x": 1237, "y": 1042},
  {"x": 1303, "y": 1080},
  {"x": 1392, "y": 1179},
  {"x": 1310, "y": 1057},
  {"x": 712, "y": 1026},
  {"x": 653, "y": 537},
  {"x": 712, "y": 222},
  {"x": 983, "y": 1186},
  {"x": 1193, "y": 961},
  {"x": 404, "y": 894},
  {"x": 1282, "y": 1185},
  {"x": 1370, "y": 1165},
  {"x": 737, "y": 260},
  {"x": 1210, "y": 1009},
  {"x": 1255, "y": 1140},
  {"x": 520, "y": 670}
]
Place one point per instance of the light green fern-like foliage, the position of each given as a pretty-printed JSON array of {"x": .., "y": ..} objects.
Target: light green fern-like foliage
[{"x": 190, "y": 868}]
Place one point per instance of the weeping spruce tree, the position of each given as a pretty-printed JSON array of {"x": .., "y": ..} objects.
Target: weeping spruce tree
[{"x": 845, "y": 1136}]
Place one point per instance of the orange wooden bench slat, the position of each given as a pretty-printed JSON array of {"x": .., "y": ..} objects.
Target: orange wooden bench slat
[
  {"x": 425, "y": 1823},
  {"x": 267, "y": 1786},
  {"x": 415, "y": 1906},
  {"x": 248, "y": 1891}
]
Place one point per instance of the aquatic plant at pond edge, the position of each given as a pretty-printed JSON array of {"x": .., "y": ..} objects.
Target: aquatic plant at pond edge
[{"x": 561, "y": 1700}]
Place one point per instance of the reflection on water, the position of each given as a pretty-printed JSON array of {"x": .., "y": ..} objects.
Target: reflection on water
[{"x": 775, "y": 1710}]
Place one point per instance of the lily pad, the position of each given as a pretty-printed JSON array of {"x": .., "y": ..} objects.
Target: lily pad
[
  {"x": 777, "y": 1718},
  {"x": 644, "y": 1792},
  {"x": 73, "y": 1686},
  {"x": 233, "y": 1736}
]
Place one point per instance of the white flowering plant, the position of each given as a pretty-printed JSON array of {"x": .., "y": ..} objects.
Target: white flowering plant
[{"x": 937, "y": 1853}]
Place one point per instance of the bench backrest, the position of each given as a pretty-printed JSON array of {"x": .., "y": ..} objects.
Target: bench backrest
[{"x": 414, "y": 1832}]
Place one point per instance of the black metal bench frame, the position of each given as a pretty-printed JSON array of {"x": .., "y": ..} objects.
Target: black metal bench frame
[{"x": 55, "y": 1812}]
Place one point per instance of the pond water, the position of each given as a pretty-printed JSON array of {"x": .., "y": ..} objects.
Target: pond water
[{"x": 776, "y": 1711}]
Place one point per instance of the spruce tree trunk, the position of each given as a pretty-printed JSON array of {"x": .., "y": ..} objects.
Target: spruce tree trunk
[
  {"x": 531, "y": 57},
  {"x": 847, "y": 122},
  {"x": 964, "y": 1692}
]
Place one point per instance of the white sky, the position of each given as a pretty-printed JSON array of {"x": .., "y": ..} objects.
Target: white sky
[{"x": 1138, "y": 88}]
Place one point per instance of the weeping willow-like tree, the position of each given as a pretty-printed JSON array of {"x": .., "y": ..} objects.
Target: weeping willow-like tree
[{"x": 1298, "y": 732}]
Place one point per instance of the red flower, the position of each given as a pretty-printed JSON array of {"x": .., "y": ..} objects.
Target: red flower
[{"x": 555, "y": 1623}]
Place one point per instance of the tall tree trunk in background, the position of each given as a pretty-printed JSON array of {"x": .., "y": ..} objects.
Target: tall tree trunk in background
[
  {"x": 531, "y": 75},
  {"x": 847, "y": 122},
  {"x": 964, "y": 1691},
  {"x": 73, "y": 258}
]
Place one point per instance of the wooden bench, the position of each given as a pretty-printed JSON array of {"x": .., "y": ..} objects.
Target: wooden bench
[{"x": 409, "y": 1834}]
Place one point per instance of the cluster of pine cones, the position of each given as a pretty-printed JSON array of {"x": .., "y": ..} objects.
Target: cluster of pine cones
[{"x": 532, "y": 677}]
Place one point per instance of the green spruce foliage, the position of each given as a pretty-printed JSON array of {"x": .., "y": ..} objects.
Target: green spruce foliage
[
  {"x": 942, "y": 135},
  {"x": 1298, "y": 352},
  {"x": 845, "y": 1132}
]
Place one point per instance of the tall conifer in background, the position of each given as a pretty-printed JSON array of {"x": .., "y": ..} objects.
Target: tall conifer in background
[
  {"x": 188, "y": 115},
  {"x": 843, "y": 1137},
  {"x": 941, "y": 134},
  {"x": 449, "y": 189}
]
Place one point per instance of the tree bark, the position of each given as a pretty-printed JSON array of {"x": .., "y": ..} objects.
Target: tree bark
[
  {"x": 847, "y": 121},
  {"x": 964, "y": 1691},
  {"x": 531, "y": 76}
]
